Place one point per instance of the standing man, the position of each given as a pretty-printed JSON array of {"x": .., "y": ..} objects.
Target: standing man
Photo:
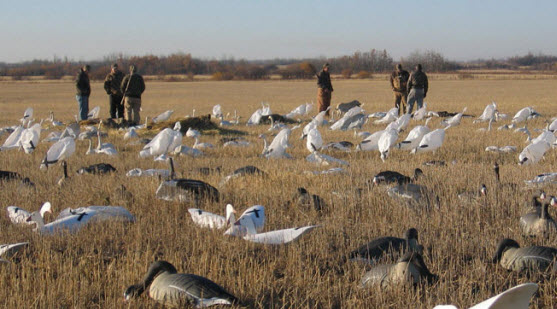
[
  {"x": 132, "y": 87},
  {"x": 399, "y": 79},
  {"x": 112, "y": 84},
  {"x": 324, "y": 90},
  {"x": 418, "y": 85},
  {"x": 83, "y": 91}
]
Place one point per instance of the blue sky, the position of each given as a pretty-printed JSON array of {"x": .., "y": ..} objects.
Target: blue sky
[{"x": 89, "y": 30}]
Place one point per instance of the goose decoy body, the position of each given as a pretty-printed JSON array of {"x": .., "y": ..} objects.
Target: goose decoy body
[
  {"x": 474, "y": 195},
  {"x": 534, "y": 258},
  {"x": 256, "y": 214},
  {"x": 99, "y": 213},
  {"x": 517, "y": 297},
  {"x": 98, "y": 169},
  {"x": 342, "y": 146},
  {"x": 59, "y": 151},
  {"x": 304, "y": 199},
  {"x": 211, "y": 220},
  {"x": 536, "y": 202},
  {"x": 539, "y": 223},
  {"x": 9, "y": 250},
  {"x": 278, "y": 237},
  {"x": 167, "y": 286},
  {"x": 409, "y": 269},
  {"x": 11, "y": 176},
  {"x": 388, "y": 177},
  {"x": 243, "y": 171},
  {"x": 185, "y": 190},
  {"x": 377, "y": 248}
]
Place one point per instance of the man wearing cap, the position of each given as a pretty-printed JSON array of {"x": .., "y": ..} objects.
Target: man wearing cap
[
  {"x": 418, "y": 86},
  {"x": 112, "y": 84},
  {"x": 83, "y": 88},
  {"x": 132, "y": 87},
  {"x": 324, "y": 89},
  {"x": 399, "y": 79}
]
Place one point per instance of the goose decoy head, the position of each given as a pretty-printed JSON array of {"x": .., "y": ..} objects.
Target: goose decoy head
[
  {"x": 411, "y": 234},
  {"x": 155, "y": 269},
  {"x": 553, "y": 201},
  {"x": 483, "y": 190},
  {"x": 418, "y": 172},
  {"x": 504, "y": 244},
  {"x": 302, "y": 191}
]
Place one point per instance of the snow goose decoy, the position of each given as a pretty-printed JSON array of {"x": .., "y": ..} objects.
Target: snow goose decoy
[
  {"x": 168, "y": 287},
  {"x": 389, "y": 177},
  {"x": 539, "y": 222},
  {"x": 105, "y": 148},
  {"x": 162, "y": 117},
  {"x": 130, "y": 133},
  {"x": 431, "y": 141},
  {"x": 206, "y": 219},
  {"x": 165, "y": 141},
  {"x": 523, "y": 115},
  {"x": 99, "y": 213},
  {"x": 414, "y": 137},
  {"x": 391, "y": 116},
  {"x": 277, "y": 148},
  {"x": 534, "y": 258},
  {"x": 12, "y": 141},
  {"x": 314, "y": 143},
  {"x": 278, "y": 237},
  {"x": 386, "y": 141},
  {"x": 533, "y": 153},
  {"x": 377, "y": 248},
  {"x": 545, "y": 178},
  {"x": 453, "y": 121},
  {"x": 94, "y": 113},
  {"x": 256, "y": 214},
  {"x": 488, "y": 113},
  {"x": 137, "y": 172},
  {"x": 54, "y": 122},
  {"x": 517, "y": 297},
  {"x": 9, "y": 250},
  {"x": 421, "y": 113},
  {"x": 59, "y": 151},
  {"x": 410, "y": 269},
  {"x": 19, "y": 216},
  {"x": 185, "y": 190},
  {"x": 184, "y": 150},
  {"x": 30, "y": 138},
  {"x": 370, "y": 143}
]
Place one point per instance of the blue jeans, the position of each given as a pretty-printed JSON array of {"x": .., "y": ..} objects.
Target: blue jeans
[
  {"x": 83, "y": 105},
  {"x": 415, "y": 95}
]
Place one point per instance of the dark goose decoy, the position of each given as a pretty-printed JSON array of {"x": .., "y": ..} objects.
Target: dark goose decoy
[
  {"x": 304, "y": 199},
  {"x": 512, "y": 186},
  {"x": 388, "y": 177},
  {"x": 375, "y": 249},
  {"x": 539, "y": 223},
  {"x": 535, "y": 258},
  {"x": 169, "y": 287},
  {"x": 11, "y": 176},
  {"x": 468, "y": 196},
  {"x": 185, "y": 190},
  {"x": 97, "y": 169},
  {"x": 410, "y": 269},
  {"x": 243, "y": 171},
  {"x": 537, "y": 201}
]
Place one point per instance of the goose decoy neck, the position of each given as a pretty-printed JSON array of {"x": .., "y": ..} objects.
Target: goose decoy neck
[
  {"x": 172, "y": 172},
  {"x": 496, "y": 169},
  {"x": 424, "y": 271},
  {"x": 417, "y": 173},
  {"x": 155, "y": 269},
  {"x": 504, "y": 244},
  {"x": 545, "y": 213},
  {"x": 65, "y": 168},
  {"x": 411, "y": 234}
]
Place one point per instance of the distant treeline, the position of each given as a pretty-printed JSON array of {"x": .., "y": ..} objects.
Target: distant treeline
[{"x": 358, "y": 65}]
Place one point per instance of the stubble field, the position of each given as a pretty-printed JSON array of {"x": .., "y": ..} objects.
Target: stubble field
[{"x": 91, "y": 268}]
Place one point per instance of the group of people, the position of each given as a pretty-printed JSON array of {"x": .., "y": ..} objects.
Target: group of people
[
  {"x": 408, "y": 88},
  {"x": 124, "y": 93}
]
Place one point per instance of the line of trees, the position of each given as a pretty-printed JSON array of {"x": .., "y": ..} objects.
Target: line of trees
[{"x": 359, "y": 64}]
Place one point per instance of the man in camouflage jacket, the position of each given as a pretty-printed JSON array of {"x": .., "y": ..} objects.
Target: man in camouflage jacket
[
  {"x": 418, "y": 86},
  {"x": 399, "y": 79},
  {"x": 112, "y": 84}
]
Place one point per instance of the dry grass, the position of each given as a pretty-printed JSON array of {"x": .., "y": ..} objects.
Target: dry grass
[{"x": 92, "y": 268}]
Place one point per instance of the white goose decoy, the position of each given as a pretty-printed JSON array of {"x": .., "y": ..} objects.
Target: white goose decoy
[
  {"x": 454, "y": 121},
  {"x": 256, "y": 214},
  {"x": 255, "y": 118},
  {"x": 137, "y": 172},
  {"x": 431, "y": 141},
  {"x": 27, "y": 116},
  {"x": 533, "y": 153},
  {"x": 130, "y": 133},
  {"x": 523, "y": 114},
  {"x": 420, "y": 113},
  {"x": 277, "y": 237},
  {"x": 206, "y": 219},
  {"x": 217, "y": 111},
  {"x": 414, "y": 137},
  {"x": 391, "y": 116},
  {"x": 99, "y": 213},
  {"x": 547, "y": 136},
  {"x": 12, "y": 141},
  {"x": 370, "y": 143},
  {"x": 94, "y": 113},
  {"x": 167, "y": 286},
  {"x": 552, "y": 126},
  {"x": 301, "y": 110},
  {"x": 105, "y": 148},
  {"x": 54, "y": 122},
  {"x": 188, "y": 151},
  {"x": 517, "y": 297},
  {"x": 163, "y": 117},
  {"x": 19, "y": 216},
  {"x": 314, "y": 140},
  {"x": 401, "y": 123},
  {"x": 386, "y": 141},
  {"x": 353, "y": 119},
  {"x": 198, "y": 145},
  {"x": 546, "y": 178},
  {"x": 8, "y": 250},
  {"x": 504, "y": 149},
  {"x": 30, "y": 138},
  {"x": 488, "y": 113},
  {"x": 165, "y": 141},
  {"x": 277, "y": 148},
  {"x": 59, "y": 151}
]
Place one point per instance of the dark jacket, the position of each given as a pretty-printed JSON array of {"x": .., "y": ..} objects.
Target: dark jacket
[
  {"x": 82, "y": 84},
  {"x": 399, "y": 79},
  {"x": 135, "y": 87},
  {"x": 112, "y": 83},
  {"x": 324, "y": 81},
  {"x": 418, "y": 79}
]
